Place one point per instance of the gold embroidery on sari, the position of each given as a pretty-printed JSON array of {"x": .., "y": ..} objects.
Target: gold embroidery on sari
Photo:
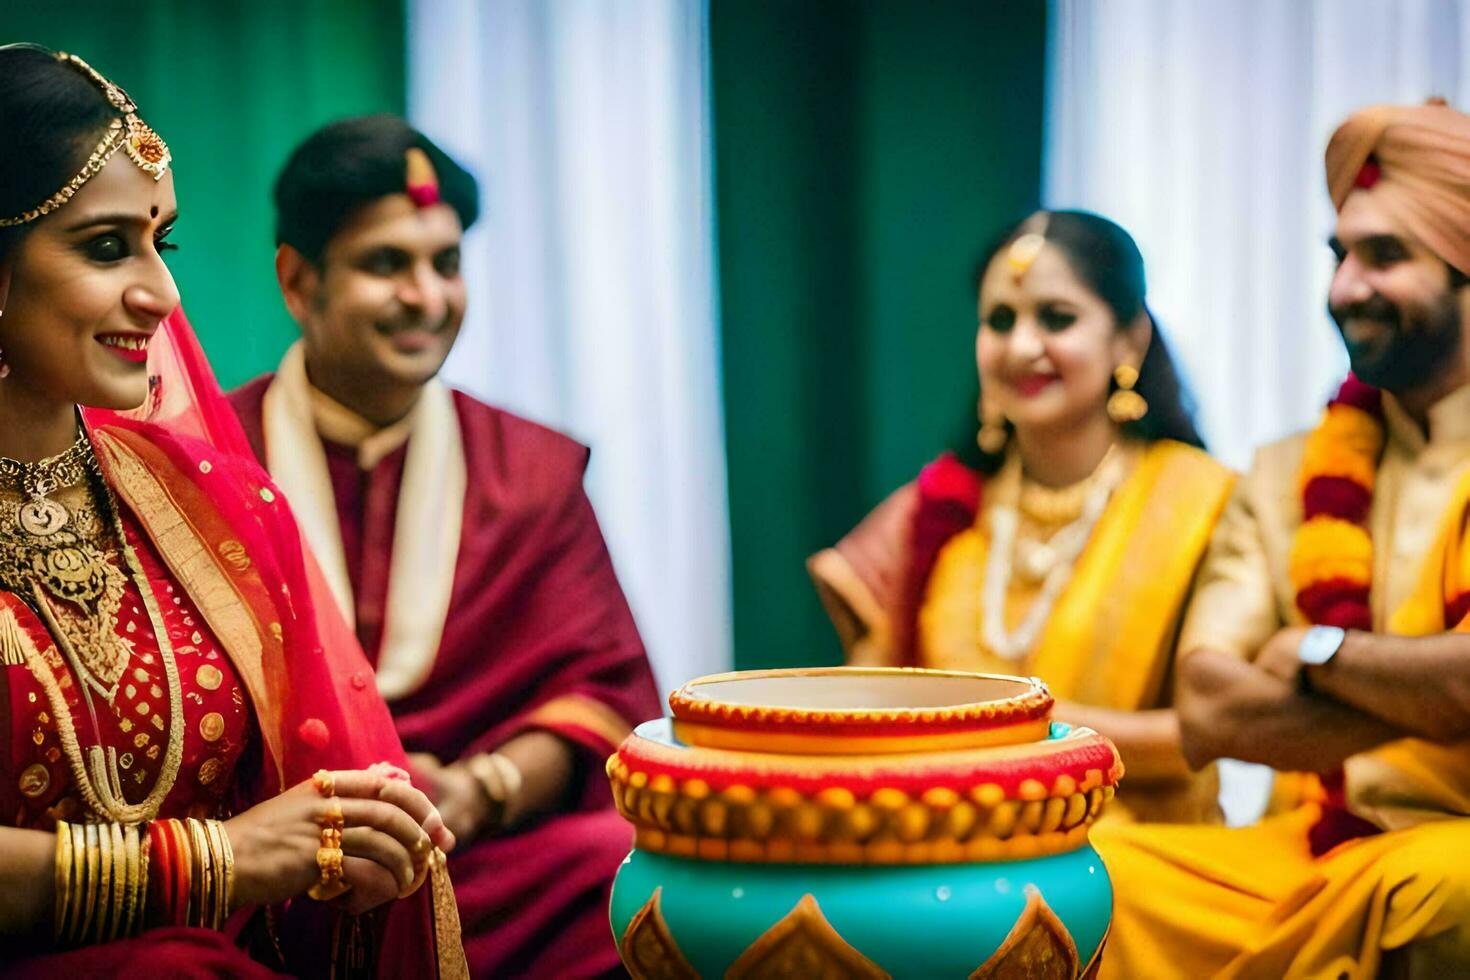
[
  {"x": 194, "y": 564},
  {"x": 94, "y": 771}
]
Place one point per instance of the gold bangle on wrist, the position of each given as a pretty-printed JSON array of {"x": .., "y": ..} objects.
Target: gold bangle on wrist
[
  {"x": 80, "y": 885},
  {"x": 101, "y": 882},
  {"x": 207, "y": 872},
  {"x": 200, "y": 878},
  {"x": 91, "y": 880},
  {"x": 500, "y": 781},
  {"x": 134, "y": 880},
  {"x": 104, "y": 883},
  {"x": 224, "y": 859},
  {"x": 64, "y": 866},
  {"x": 118, "y": 894}
]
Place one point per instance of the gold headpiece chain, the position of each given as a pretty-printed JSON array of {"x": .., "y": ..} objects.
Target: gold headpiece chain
[{"x": 130, "y": 134}]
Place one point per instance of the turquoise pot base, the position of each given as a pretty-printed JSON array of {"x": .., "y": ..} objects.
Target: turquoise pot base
[{"x": 922, "y": 921}]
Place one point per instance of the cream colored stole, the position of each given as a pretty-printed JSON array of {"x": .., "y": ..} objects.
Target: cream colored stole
[{"x": 428, "y": 524}]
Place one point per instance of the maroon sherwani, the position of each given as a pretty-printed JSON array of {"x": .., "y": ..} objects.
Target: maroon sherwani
[{"x": 538, "y": 636}]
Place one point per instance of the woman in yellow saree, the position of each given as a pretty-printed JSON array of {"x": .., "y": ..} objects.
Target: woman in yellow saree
[{"x": 1066, "y": 547}]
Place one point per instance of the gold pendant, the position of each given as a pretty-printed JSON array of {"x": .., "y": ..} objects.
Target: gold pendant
[{"x": 42, "y": 517}]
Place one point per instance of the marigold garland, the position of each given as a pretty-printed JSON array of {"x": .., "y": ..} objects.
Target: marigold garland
[{"x": 1331, "y": 563}]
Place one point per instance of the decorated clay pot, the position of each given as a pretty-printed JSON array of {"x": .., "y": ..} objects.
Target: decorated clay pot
[{"x": 862, "y": 822}]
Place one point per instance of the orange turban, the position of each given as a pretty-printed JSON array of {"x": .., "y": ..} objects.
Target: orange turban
[{"x": 1416, "y": 161}]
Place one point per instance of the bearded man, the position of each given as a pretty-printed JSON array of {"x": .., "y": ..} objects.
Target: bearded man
[{"x": 1316, "y": 640}]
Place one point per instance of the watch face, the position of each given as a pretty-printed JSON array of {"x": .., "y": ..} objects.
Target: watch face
[{"x": 1320, "y": 644}]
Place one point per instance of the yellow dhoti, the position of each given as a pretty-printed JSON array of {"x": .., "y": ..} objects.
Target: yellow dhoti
[{"x": 1199, "y": 901}]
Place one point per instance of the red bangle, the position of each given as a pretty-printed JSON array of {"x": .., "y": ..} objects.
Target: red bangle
[
  {"x": 169, "y": 875},
  {"x": 160, "y": 868},
  {"x": 183, "y": 872}
]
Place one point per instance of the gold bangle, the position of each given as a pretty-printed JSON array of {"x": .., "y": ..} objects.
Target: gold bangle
[
  {"x": 63, "y": 880},
  {"x": 145, "y": 851},
  {"x": 224, "y": 861},
  {"x": 78, "y": 882},
  {"x": 203, "y": 889},
  {"x": 128, "y": 912},
  {"x": 500, "y": 780},
  {"x": 118, "y": 895},
  {"x": 205, "y": 913},
  {"x": 196, "y": 879},
  {"x": 90, "y": 910}
]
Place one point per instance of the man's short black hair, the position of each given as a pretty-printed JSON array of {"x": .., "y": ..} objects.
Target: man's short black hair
[{"x": 351, "y": 163}]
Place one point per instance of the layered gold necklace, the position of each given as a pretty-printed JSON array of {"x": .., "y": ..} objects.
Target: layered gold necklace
[
  {"x": 58, "y": 531},
  {"x": 60, "y": 528},
  {"x": 1048, "y": 560}
]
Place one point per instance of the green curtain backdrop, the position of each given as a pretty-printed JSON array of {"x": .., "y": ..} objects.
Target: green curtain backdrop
[
  {"x": 232, "y": 86},
  {"x": 865, "y": 152}
]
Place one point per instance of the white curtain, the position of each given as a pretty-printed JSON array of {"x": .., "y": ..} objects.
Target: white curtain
[
  {"x": 1200, "y": 127},
  {"x": 591, "y": 272}
]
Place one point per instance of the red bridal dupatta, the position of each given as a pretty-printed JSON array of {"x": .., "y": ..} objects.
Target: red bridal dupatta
[{"x": 181, "y": 463}]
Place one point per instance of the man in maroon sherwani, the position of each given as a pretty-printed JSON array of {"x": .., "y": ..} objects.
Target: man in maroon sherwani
[{"x": 457, "y": 538}]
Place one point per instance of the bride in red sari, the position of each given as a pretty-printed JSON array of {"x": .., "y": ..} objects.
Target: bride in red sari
[{"x": 197, "y": 776}]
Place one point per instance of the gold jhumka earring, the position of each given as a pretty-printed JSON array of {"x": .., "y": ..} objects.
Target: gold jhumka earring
[
  {"x": 1125, "y": 404},
  {"x": 992, "y": 435}
]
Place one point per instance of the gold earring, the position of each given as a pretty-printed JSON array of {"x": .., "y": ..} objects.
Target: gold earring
[
  {"x": 4, "y": 366},
  {"x": 992, "y": 435},
  {"x": 1125, "y": 404}
]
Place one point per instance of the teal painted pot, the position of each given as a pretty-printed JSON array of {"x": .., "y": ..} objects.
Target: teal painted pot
[
  {"x": 938, "y": 920},
  {"x": 862, "y": 822}
]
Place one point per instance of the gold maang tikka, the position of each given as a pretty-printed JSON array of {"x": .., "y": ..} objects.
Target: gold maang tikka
[
  {"x": 1022, "y": 254},
  {"x": 128, "y": 133},
  {"x": 1024, "y": 250}
]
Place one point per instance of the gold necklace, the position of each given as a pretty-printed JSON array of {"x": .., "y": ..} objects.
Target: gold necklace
[
  {"x": 1054, "y": 506},
  {"x": 55, "y": 543},
  {"x": 95, "y": 769}
]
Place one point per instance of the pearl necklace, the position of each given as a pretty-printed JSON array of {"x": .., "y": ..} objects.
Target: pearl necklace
[{"x": 1051, "y": 561}]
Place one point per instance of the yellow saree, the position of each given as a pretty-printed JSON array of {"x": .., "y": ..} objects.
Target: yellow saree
[
  {"x": 1254, "y": 903},
  {"x": 1108, "y": 642}
]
